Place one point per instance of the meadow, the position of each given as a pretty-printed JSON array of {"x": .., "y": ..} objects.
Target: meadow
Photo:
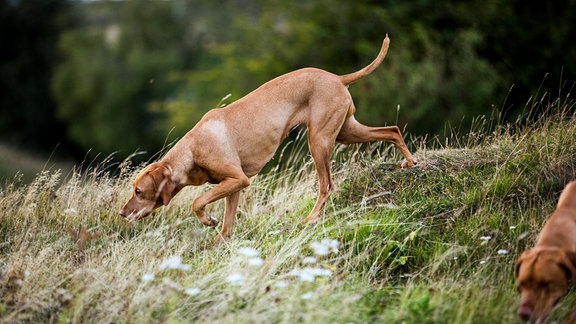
[{"x": 432, "y": 244}]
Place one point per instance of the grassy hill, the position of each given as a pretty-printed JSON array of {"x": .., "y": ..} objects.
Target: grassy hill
[{"x": 433, "y": 244}]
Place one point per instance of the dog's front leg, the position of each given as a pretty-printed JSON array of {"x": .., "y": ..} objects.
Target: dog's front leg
[
  {"x": 227, "y": 187},
  {"x": 229, "y": 216}
]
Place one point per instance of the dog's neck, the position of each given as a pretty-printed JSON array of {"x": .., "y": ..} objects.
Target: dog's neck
[
  {"x": 568, "y": 197},
  {"x": 186, "y": 173},
  {"x": 559, "y": 230}
]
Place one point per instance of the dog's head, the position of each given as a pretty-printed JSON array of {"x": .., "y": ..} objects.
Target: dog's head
[
  {"x": 542, "y": 278},
  {"x": 153, "y": 188}
]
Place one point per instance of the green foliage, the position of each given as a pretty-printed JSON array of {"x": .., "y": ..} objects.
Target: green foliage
[
  {"x": 129, "y": 74},
  {"x": 114, "y": 77},
  {"x": 427, "y": 73}
]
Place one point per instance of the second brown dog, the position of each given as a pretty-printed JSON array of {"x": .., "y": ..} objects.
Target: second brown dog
[{"x": 543, "y": 273}]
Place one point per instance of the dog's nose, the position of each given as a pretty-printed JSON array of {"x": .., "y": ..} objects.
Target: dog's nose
[
  {"x": 122, "y": 213},
  {"x": 524, "y": 313}
]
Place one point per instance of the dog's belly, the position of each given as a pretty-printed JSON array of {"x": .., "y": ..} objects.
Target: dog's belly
[
  {"x": 248, "y": 134},
  {"x": 258, "y": 153},
  {"x": 257, "y": 144}
]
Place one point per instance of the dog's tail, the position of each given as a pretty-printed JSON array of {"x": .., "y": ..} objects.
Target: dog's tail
[{"x": 347, "y": 79}]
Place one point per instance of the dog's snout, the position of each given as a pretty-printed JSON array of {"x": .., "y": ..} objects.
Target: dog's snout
[
  {"x": 524, "y": 312},
  {"x": 123, "y": 212}
]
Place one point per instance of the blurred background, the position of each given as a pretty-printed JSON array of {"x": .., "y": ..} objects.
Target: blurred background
[{"x": 84, "y": 80}]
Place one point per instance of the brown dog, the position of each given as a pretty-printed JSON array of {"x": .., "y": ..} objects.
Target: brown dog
[
  {"x": 230, "y": 145},
  {"x": 544, "y": 272}
]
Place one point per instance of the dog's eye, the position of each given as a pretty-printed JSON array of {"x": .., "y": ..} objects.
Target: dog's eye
[
  {"x": 543, "y": 284},
  {"x": 137, "y": 191}
]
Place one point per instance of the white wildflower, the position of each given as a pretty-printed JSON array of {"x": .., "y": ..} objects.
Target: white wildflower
[
  {"x": 255, "y": 262},
  {"x": 483, "y": 262},
  {"x": 192, "y": 291},
  {"x": 307, "y": 296},
  {"x": 502, "y": 251},
  {"x": 249, "y": 252},
  {"x": 147, "y": 277},
  {"x": 174, "y": 262},
  {"x": 324, "y": 247},
  {"x": 303, "y": 275},
  {"x": 308, "y": 274},
  {"x": 485, "y": 238},
  {"x": 280, "y": 284},
  {"x": 235, "y": 279},
  {"x": 309, "y": 260},
  {"x": 319, "y": 272},
  {"x": 512, "y": 227}
]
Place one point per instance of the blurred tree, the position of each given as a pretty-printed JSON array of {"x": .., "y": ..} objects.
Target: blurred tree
[
  {"x": 532, "y": 46},
  {"x": 29, "y": 31},
  {"x": 115, "y": 74},
  {"x": 433, "y": 73},
  {"x": 433, "y": 70},
  {"x": 140, "y": 69}
]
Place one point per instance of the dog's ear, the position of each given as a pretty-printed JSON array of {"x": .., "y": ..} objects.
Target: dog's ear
[
  {"x": 166, "y": 190},
  {"x": 167, "y": 185},
  {"x": 518, "y": 264},
  {"x": 569, "y": 265},
  {"x": 163, "y": 182},
  {"x": 520, "y": 260}
]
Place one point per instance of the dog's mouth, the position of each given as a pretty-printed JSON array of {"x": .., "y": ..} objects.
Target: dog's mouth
[
  {"x": 135, "y": 216},
  {"x": 543, "y": 316}
]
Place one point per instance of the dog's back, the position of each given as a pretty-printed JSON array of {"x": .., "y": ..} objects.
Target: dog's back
[
  {"x": 560, "y": 229},
  {"x": 568, "y": 197}
]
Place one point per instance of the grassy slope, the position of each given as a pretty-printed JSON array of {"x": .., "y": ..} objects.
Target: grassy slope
[{"x": 410, "y": 241}]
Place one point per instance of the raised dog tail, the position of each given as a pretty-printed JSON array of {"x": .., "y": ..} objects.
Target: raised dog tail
[{"x": 347, "y": 79}]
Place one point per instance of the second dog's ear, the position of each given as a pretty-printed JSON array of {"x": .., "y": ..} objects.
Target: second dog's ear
[
  {"x": 518, "y": 264},
  {"x": 571, "y": 265},
  {"x": 519, "y": 261}
]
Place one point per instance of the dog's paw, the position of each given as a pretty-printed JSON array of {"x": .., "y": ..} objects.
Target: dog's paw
[
  {"x": 221, "y": 237},
  {"x": 218, "y": 239},
  {"x": 212, "y": 220},
  {"x": 408, "y": 164},
  {"x": 208, "y": 220}
]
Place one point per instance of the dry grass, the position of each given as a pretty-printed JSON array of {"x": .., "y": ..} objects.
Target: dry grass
[{"x": 434, "y": 244}]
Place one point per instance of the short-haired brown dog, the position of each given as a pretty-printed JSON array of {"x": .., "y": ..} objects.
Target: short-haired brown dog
[
  {"x": 543, "y": 273},
  {"x": 230, "y": 145}
]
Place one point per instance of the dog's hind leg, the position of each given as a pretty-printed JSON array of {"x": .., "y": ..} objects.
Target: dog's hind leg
[
  {"x": 321, "y": 157},
  {"x": 354, "y": 132},
  {"x": 321, "y": 138}
]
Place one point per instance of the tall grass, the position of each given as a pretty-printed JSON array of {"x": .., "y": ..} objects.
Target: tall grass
[{"x": 433, "y": 244}]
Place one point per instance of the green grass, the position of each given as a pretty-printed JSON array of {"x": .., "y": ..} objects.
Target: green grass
[{"x": 424, "y": 245}]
